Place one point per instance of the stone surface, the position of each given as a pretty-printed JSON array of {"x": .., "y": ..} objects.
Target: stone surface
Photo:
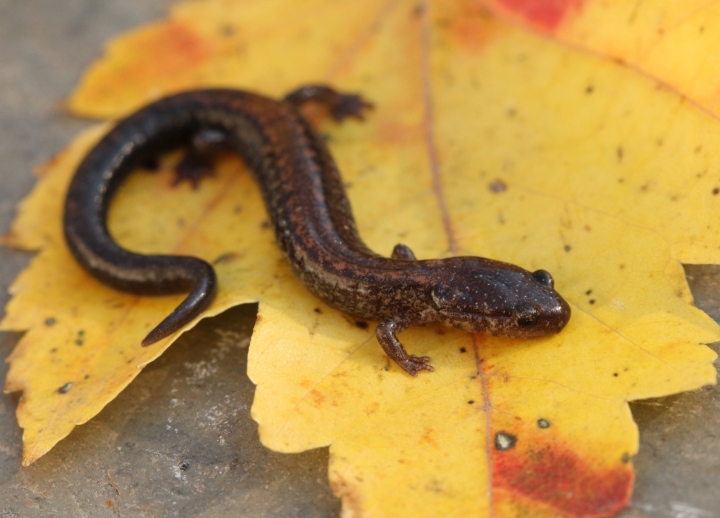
[{"x": 180, "y": 440}]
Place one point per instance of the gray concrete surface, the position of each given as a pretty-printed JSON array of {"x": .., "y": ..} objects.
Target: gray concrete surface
[{"x": 180, "y": 442}]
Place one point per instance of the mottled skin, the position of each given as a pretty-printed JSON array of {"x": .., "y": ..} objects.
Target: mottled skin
[{"x": 313, "y": 225}]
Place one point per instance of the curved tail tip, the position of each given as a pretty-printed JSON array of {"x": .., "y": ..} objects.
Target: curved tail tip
[
  {"x": 150, "y": 339},
  {"x": 154, "y": 336},
  {"x": 196, "y": 302}
]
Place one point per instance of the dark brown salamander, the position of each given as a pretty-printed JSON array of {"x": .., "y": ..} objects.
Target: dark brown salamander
[{"x": 313, "y": 225}]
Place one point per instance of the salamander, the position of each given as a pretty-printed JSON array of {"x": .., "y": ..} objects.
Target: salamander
[{"x": 313, "y": 223}]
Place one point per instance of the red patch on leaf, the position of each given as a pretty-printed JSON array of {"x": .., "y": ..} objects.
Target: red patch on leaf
[
  {"x": 544, "y": 14},
  {"x": 469, "y": 24},
  {"x": 529, "y": 465},
  {"x": 170, "y": 47}
]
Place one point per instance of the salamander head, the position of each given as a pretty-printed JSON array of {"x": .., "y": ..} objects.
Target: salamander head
[{"x": 483, "y": 296}]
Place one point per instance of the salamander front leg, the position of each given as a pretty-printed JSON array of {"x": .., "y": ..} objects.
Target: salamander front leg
[
  {"x": 341, "y": 105},
  {"x": 199, "y": 160},
  {"x": 386, "y": 334}
]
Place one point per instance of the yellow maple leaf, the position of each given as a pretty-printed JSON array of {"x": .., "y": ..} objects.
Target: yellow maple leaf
[{"x": 487, "y": 140}]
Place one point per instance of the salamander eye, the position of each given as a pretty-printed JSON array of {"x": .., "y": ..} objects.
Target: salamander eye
[
  {"x": 544, "y": 278},
  {"x": 527, "y": 315}
]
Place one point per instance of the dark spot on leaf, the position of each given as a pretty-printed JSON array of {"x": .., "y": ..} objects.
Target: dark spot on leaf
[
  {"x": 50, "y": 321},
  {"x": 615, "y": 374},
  {"x": 227, "y": 30},
  {"x": 265, "y": 224},
  {"x": 716, "y": 191},
  {"x": 543, "y": 423},
  {"x": 590, "y": 89},
  {"x": 511, "y": 112},
  {"x": 471, "y": 402},
  {"x": 433, "y": 486},
  {"x": 225, "y": 258},
  {"x": 621, "y": 180},
  {"x": 463, "y": 350},
  {"x": 497, "y": 186},
  {"x": 361, "y": 324},
  {"x": 591, "y": 301},
  {"x": 567, "y": 248},
  {"x": 65, "y": 388},
  {"x": 238, "y": 209},
  {"x": 318, "y": 311},
  {"x": 588, "y": 292},
  {"x": 625, "y": 458},
  {"x": 87, "y": 376},
  {"x": 79, "y": 342},
  {"x": 504, "y": 441},
  {"x": 53, "y": 350},
  {"x": 184, "y": 466},
  {"x": 620, "y": 152}
]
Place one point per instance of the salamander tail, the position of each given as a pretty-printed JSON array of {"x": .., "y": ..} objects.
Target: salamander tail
[{"x": 196, "y": 302}]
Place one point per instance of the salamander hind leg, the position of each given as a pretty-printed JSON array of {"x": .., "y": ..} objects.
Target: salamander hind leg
[
  {"x": 341, "y": 105},
  {"x": 199, "y": 160},
  {"x": 403, "y": 253},
  {"x": 386, "y": 334}
]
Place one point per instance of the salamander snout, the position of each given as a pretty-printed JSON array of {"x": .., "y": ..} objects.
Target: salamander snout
[
  {"x": 548, "y": 310},
  {"x": 532, "y": 319}
]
